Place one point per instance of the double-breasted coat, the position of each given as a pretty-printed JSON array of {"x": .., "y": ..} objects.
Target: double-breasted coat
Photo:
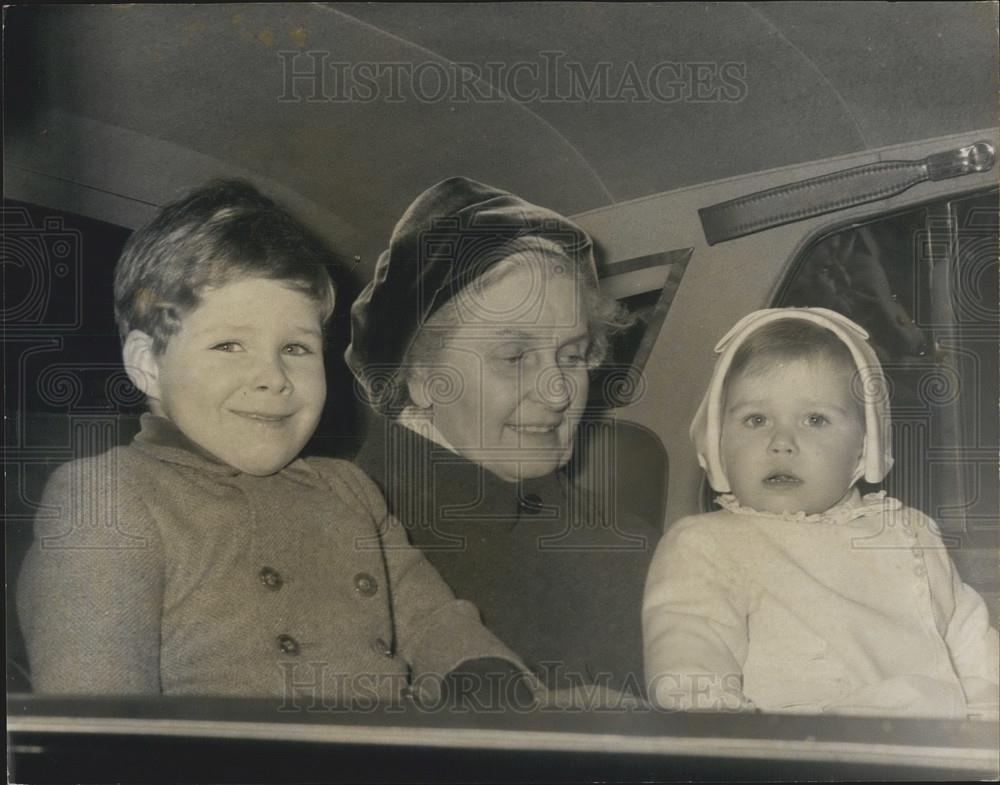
[{"x": 158, "y": 570}]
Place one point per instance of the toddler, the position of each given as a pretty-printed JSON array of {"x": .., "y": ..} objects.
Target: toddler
[
  {"x": 205, "y": 557},
  {"x": 801, "y": 595}
]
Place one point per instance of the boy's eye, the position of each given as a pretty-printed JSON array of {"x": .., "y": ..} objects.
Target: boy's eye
[
  {"x": 228, "y": 346},
  {"x": 817, "y": 420},
  {"x": 297, "y": 349},
  {"x": 755, "y": 420}
]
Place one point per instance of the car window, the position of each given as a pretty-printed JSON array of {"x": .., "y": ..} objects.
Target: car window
[
  {"x": 55, "y": 417},
  {"x": 923, "y": 283},
  {"x": 646, "y": 287}
]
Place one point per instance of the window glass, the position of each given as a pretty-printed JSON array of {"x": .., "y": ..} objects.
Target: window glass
[
  {"x": 646, "y": 287},
  {"x": 923, "y": 283}
]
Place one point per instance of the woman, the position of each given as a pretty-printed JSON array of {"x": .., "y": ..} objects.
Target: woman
[{"x": 475, "y": 340}]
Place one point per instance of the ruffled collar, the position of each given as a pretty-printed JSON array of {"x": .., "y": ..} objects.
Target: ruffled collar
[{"x": 851, "y": 507}]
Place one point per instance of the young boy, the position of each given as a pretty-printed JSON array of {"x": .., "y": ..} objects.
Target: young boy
[
  {"x": 801, "y": 595},
  {"x": 205, "y": 558}
]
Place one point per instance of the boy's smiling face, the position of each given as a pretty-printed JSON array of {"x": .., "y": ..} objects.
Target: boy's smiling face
[
  {"x": 243, "y": 378},
  {"x": 792, "y": 435}
]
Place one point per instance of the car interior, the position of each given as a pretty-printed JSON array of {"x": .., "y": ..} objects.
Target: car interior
[{"x": 724, "y": 158}]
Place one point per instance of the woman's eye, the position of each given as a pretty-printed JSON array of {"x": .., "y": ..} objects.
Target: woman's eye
[
  {"x": 511, "y": 359},
  {"x": 817, "y": 420},
  {"x": 228, "y": 346},
  {"x": 574, "y": 358},
  {"x": 755, "y": 420},
  {"x": 298, "y": 349}
]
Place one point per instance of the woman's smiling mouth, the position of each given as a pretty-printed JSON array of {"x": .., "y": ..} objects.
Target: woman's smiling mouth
[
  {"x": 534, "y": 429},
  {"x": 261, "y": 417}
]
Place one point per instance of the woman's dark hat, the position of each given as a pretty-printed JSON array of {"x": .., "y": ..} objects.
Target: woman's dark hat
[{"x": 451, "y": 234}]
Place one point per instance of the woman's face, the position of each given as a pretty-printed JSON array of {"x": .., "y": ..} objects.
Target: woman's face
[{"x": 509, "y": 383}]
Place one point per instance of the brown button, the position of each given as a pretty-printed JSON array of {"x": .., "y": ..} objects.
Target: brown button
[
  {"x": 382, "y": 648},
  {"x": 365, "y": 584},
  {"x": 271, "y": 578},
  {"x": 530, "y": 504},
  {"x": 288, "y": 645}
]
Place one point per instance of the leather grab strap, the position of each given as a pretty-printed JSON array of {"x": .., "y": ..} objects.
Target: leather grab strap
[{"x": 837, "y": 191}]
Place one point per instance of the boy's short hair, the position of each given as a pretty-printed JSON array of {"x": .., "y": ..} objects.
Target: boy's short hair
[{"x": 217, "y": 234}]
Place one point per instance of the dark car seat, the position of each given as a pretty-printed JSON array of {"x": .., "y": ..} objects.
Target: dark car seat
[{"x": 625, "y": 466}]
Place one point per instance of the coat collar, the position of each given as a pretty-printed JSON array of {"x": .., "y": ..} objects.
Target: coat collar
[
  {"x": 457, "y": 479},
  {"x": 163, "y": 440}
]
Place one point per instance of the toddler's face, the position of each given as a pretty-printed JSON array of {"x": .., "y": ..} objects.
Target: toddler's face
[
  {"x": 243, "y": 377},
  {"x": 792, "y": 435}
]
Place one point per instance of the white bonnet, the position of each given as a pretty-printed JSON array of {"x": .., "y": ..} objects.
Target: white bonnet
[{"x": 706, "y": 429}]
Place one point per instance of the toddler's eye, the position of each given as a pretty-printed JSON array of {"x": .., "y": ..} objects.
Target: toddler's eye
[
  {"x": 817, "y": 420},
  {"x": 228, "y": 346},
  {"x": 297, "y": 349},
  {"x": 755, "y": 420}
]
